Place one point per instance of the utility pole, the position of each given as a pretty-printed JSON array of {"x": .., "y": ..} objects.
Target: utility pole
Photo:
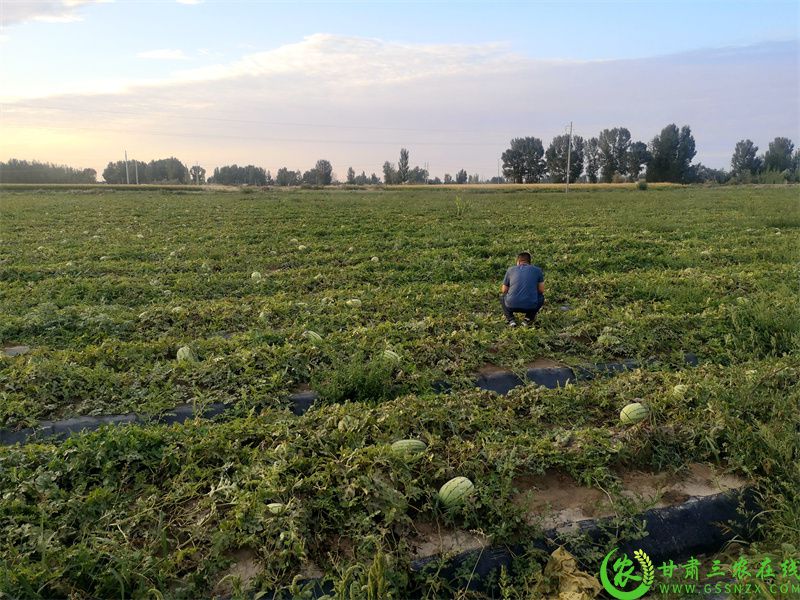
[
  {"x": 136, "y": 170},
  {"x": 127, "y": 175},
  {"x": 569, "y": 153}
]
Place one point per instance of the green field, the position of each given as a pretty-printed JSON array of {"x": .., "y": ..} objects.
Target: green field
[{"x": 106, "y": 286}]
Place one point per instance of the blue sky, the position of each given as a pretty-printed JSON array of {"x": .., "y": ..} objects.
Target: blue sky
[{"x": 208, "y": 78}]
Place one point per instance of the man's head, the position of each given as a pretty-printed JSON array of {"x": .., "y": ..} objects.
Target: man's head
[{"x": 524, "y": 258}]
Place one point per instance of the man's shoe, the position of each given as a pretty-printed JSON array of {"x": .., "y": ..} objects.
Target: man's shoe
[
  {"x": 512, "y": 323},
  {"x": 527, "y": 323}
]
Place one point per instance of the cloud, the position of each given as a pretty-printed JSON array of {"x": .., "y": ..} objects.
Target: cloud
[
  {"x": 360, "y": 60},
  {"x": 356, "y": 101},
  {"x": 51, "y": 11},
  {"x": 163, "y": 54}
]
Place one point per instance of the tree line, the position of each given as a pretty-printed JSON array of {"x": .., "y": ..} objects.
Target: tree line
[
  {"x": 611, "y": 156},
  {"x": 164, "y": 170},
  {"x": 23, "y": 171}
]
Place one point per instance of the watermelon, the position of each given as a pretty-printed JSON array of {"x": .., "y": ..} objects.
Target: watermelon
[
  {"x": 276, "y": 508},
  {"x": 375, "y": 259},
  {"x": 301, "y": 247},
  {"x": 313, "y": 337},
  {"x": 391, "y": 355},
  {"x": 353, "y": 303},
  {"x": 679, "y": 391},
  {"x": 186, "y": 355},
  {"x": 409, "y": 446},
  {"x": 633, "y": 413},
  {"x": 255, "y": 276},
  {"x": 455, "y": 491}
]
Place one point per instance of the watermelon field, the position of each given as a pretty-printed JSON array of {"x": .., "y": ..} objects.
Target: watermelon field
[{"x": 372, "y": 298}]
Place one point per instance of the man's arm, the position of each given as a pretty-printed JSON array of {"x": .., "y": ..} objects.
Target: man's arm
[
  {"x": 504, "y": 289},
  {"x": 541, "y": 287},
  {"x": 506, "y": 282}
]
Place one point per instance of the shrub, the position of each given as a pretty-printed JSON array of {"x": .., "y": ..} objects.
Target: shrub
[
  {"x": 360, "y": 380},
  {"x": 642, "y": 184}
]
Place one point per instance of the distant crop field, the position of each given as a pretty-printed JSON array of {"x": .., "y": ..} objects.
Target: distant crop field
[{"x": 105, "y": 287}]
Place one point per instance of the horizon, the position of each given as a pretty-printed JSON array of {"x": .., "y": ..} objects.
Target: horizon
[{"x": 346, "y": 83}]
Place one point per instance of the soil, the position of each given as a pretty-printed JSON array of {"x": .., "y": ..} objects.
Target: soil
[
  {"x": 539, "y": 363},
  {"x": 433, "y": 540},
  {"x": 15, "y": 350},
  {"x": 556, "y": 499},
  {"x": 490, "y": 369},
  {"x": 245, "y": 568}
]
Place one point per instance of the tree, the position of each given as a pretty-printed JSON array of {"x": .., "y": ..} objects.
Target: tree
[
  {"x": 402, "y": 166},
  {"x": 236, "y": 175},
  {"x": 22, "y": 171},
  {"x": 613, "y": 145},
  {"x": 268, "y": 179},
  {"x": 197, "y": 174},
  {"x": 779, "y": 155},
  {"x": 417, "y": 175},
  {"x": 114, "y": 172},
  {"x": 673, "y": 151},
  {"x": 389, "y": 173},
  {"x": 323, "y": 172},
  {"x": 704, "y": 174},
  {"x": 448, "y": 178},
  {"x": 461, "y": 177},
  {"x": 522, "y": 162},
  {"x": 285, "y": 177},
  {"x": 351, "y": 175},
  {"x": 638, "y": 158},
  {"x": 591, "y": 158},
  {"x": 164, "y": 170},
  {"x": 556, "y": 158},
  {"x": 744, "y": 162}
]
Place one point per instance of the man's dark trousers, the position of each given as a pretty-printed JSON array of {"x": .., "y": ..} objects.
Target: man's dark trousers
[{"x": 530, "y": 313}]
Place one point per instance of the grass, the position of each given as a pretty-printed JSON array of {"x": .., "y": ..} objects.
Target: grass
[{"x": 106, "y": 286}]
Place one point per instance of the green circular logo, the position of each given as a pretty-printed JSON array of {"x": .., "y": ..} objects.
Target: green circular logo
[{"x": 625, "y": 583}]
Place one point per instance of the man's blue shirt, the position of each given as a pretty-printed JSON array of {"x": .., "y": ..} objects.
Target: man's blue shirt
[{"x": 523, "y": 286}]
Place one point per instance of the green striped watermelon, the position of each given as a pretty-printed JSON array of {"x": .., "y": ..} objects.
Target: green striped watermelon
[
  {"x": 313, "y": 337},
  {"x": 633, "y": 413},
  {"x": 409, "y": 446},
  {"x": 276, "y": 508},
  {"x": 392, "y": 356},
  {"x": 186, "y": 355},
  {"x": 455, "y": 491}
]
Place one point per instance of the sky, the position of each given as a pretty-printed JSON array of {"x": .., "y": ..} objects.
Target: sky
[{"x": 286, "y": 83}]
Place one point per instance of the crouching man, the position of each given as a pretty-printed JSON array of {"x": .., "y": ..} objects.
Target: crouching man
[{"x": 522, "y": 290}]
